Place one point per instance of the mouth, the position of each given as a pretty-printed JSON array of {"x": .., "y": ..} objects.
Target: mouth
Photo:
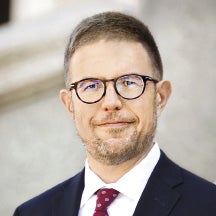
[{"x": 115, "y": 124}]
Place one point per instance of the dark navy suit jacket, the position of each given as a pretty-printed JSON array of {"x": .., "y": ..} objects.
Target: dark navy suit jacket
[{"x": 170, "y": 190}]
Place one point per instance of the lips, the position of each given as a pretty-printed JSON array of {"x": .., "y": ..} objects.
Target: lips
[
  {"x": 116, "y": 123},
  {"x": 114, "y": 120},
  {"x": 113, "y": 123}
]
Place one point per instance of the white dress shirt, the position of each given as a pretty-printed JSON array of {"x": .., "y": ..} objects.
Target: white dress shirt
[{"x": 130, "y": 186}]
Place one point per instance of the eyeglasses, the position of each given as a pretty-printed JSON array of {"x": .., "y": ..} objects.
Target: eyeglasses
[{"x": 92, "y": 90}]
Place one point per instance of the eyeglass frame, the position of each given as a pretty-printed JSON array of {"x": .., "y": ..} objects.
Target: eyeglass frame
[{"x": 104, "y": 81}]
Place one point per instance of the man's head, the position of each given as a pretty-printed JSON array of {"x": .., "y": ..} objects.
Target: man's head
[
  {"x": 112, "y": 26},
  {"x": 117, "y": 91}
]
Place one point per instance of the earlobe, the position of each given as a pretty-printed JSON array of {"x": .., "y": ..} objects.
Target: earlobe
[
  {"x": 164, "y": 90},
  {"x": 66, "y": 99}
]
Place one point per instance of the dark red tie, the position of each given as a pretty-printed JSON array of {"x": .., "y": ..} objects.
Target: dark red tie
[{"x": 105, "y": 197}]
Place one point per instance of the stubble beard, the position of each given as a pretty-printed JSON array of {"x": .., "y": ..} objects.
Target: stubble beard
[{"x": 116, "y": 150}]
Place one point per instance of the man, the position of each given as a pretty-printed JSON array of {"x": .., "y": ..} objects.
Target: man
[{"x": 115, "y": 94}]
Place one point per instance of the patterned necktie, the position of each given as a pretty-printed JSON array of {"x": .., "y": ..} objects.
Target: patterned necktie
[{"x": 105, "y": 197}]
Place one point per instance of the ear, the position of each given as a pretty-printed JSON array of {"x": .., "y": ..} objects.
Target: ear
[
  {"x": 66, "y": 99},
  {"x": 164, "y": 89}
]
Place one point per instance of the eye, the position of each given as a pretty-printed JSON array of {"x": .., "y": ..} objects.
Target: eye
[
  {"x": 90, "y": 85},
  {"x": 129, "y": 83}
]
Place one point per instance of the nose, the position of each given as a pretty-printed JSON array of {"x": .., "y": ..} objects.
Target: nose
[{"x": 111, "y": 101}]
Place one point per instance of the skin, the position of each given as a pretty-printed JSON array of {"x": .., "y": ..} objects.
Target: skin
[{"x": 117, "y": 133}]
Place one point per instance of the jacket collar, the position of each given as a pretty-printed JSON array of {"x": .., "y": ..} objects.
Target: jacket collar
[
  {"x": 67, "y": 201},
  {"x": 160, "y": 196}
]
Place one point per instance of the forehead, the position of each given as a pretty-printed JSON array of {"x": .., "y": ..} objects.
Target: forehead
[{"x": 108, "y": 59}]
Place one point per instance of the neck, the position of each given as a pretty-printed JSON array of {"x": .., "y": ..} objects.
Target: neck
[{"x": 112, "y": 173}]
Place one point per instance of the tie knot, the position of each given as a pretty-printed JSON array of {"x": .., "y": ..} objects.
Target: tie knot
[{"x": 105, "y": 197}]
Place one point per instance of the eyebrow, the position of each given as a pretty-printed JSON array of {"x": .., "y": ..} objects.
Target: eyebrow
[{"x": 97, "y": 78}]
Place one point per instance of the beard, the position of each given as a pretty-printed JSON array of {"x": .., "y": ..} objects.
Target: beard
[
  {"x": 119, "y": 149},
  {"x": 115, "y": 152}
]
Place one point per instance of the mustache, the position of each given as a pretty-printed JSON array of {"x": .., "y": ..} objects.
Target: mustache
[{"x": 113, "y": 117}]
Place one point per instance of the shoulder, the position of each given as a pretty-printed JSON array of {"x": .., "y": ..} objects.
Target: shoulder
[
  {"x": 195, "y": 193},
  {"x": 176, "y": 175},
  {"x": 167, "y": 167},
  {"x": 197, "y": 185},
  {"x": 43, "y": 202}
]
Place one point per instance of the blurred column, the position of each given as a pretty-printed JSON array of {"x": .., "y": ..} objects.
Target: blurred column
[{"x": 4, "y": 11}]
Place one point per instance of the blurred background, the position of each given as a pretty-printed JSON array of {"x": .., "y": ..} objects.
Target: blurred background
[{"x": 39, "y": 145}]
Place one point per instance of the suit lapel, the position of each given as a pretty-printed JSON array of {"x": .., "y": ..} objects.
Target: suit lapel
[
  {"x": 67, "y": 201},
  {"x": 159, "y": 196}
]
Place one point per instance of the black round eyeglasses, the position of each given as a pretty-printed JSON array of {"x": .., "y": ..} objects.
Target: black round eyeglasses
[{"x": 92, "y": 90}]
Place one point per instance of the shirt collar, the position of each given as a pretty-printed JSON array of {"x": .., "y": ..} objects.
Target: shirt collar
[
  {"x": 139, "y": 175},
  {"x": 92, "y": 184}
]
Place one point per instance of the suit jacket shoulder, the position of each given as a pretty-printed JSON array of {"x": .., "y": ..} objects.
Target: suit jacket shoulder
[
  {"x": 174, "y": 191},
  {"x": 63, "y": 199}
]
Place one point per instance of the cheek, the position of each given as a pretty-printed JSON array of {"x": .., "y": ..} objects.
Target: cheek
[
  {"x": 145, "y": 114},
  {"x": 81, "y": 119},
  {"x": 82, "y": 116}
]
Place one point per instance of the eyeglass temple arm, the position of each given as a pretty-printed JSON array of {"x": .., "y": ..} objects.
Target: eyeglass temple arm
[{"x": 147, "y": 78}]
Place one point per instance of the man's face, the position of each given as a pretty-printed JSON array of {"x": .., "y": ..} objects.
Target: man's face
[{"x": 114, "y": 130}]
